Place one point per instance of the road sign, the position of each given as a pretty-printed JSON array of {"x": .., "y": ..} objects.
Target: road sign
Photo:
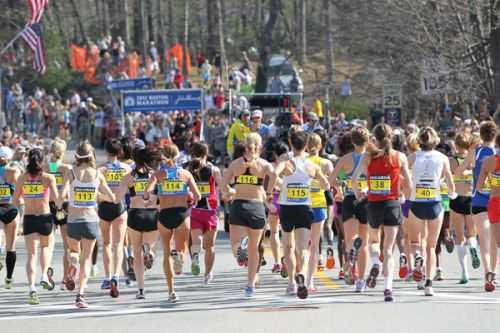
[
  {"x": 392, "y": 117},
  {"x": 133, "y": 84},
  {"x": 435, "y": 77},
  {"x": 392, "y": 95},
  {"x": 162, "y": 100}
]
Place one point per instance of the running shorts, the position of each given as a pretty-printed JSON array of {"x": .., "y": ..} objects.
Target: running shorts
[
  {"x": 171, "y": 218},
  {"x": 109, "y": 211},
  {"x": 351, "y": 208},
  {"x": 479, "y": 209},
  {"x": 40, "y": 224},
  {"x": 319, "y": 215},
  {"x": 406, "y": 208},
  {"x": 83, "y": 227},
  {"x": 426, "y": 210},
  {"x": 494, "y": 210},
  {"x": 295, "y": 217},
  {"x": 274, "y": 207},
  {"x": 8, "y": 213},
  {"x": 384, "y": 213},
  {"x": 53, "y": 211},
  {"x": 143, "y": 219},
  {"x": 251, "y": 214},
  {"x": 204, "y": 219},
  {"x": 461, "y": 205}
]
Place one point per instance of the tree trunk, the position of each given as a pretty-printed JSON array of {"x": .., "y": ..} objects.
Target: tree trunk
[
  {"x": 329, "y": 59},
  {"x": 105, "y": 17},
  {"x": 211, "y": 28},
  {"x": 172, "y": 32},
  {"x": 222, "y": 49},
  {"x": 151, "y": 13},
  {"x": 185, "y": 39},
  {"x": 303, "y": 37},
  {"x": 495, "y": 53},
  {"x": 60, "y": 21},
  {"x": 125, "y": 21},
  {"x": 140, "y": 28},
  {"x": 78, "y": 18}
]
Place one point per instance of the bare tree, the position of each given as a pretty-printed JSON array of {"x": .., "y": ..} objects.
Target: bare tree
[
  {"x": 329, "y": 55},
  {"x": 303, "y": 31},
  {"x": 222, "y": 48},
  {"x": 185, "y": 39}
]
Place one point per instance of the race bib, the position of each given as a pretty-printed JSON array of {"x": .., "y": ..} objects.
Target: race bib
[
  {"x": 425, "y": 192},
  {"x": 114, "y": 177},
  {"x": 204, "y": 189},
  {"x": 59, "y": 180},
  {"x": 247, "y": 180},
  {"x": 140, "y": 186},
  {"x": 315, "y": 186},
  {"x": 380, "y": 185},
  {"x": 5, "y": 193},
  {"x": 494, "y": 180},
  {"x": 84, "y": 197},
  {"x": 297, "y": 193},
  {"x": 173, "y": 187},
  {"x": 362, "y": 184},
  {"x": 33, "y": 190}
]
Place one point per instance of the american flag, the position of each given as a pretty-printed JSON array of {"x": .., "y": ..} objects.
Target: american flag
[
  {"x": 32, "y": 35},
  {"x": 37, "y": 8}
]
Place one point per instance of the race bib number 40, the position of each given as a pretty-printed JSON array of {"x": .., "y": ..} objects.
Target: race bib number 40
[
  {"x": 33, "y": 190},
  {"x": 85, "y": 197},
  {"x": 297, "y": 193},
  {"x": 380, "y": 185},
  {"x": 425, "y": 193}
]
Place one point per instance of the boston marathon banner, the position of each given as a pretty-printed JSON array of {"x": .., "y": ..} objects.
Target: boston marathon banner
[
  {"x": 134, "y": 84},
  {"x": 162, "y": 100}
]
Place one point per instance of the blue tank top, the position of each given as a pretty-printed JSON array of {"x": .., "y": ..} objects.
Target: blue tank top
[
  {"x": 356, "y": 158},
  {"x": 481, "y": 153}
]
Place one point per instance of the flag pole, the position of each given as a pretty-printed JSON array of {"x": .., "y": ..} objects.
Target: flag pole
[{"x": 11, "y": 42}]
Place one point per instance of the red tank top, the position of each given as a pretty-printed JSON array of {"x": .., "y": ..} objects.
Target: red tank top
[{"x": 383, "y": 178}]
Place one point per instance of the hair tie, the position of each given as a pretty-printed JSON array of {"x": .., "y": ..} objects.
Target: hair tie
[{"x": 83, "y": 156}]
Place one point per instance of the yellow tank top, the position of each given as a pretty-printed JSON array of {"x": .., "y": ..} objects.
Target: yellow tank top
[{"x": 318, "y": 199}]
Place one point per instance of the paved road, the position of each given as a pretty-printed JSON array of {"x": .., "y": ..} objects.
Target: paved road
[{"x": 221, "y": 306}]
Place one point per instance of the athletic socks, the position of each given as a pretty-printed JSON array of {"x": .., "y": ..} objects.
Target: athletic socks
[
  {"x": 375, "y": 260},
  {"x": 462, "y": 258},
  {"x": 10, "y": 262},
  {"x": 472, "y": 242},
  {"x": 388, "y": 283}
]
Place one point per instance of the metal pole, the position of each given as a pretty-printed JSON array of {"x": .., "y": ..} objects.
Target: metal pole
[{"x": 9, "y": 44}]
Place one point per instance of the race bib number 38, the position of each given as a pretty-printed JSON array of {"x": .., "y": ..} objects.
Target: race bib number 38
[
  {"x": 33, "y": 190},
  {"x": 297, "y": 193},
  {"x": 380, "y": 185}
]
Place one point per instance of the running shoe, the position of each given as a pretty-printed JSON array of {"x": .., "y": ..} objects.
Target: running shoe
[
  {"x": 8, "y": 283},
  {"x": 489, "y": 285},
  {"x": 449, "y": 243},
  {"x": 330, "y": 259},
  {"x": 421, "y": 285},
  {"x": 62, "y": 285},
  {"x": 147, "y": 256},
  {"x": 249, "y": 292},
  {"x": 476, "y": 261},
  {"x": 283, "y": 272},
  {"x": 178, "y": 262},
  {"x": 242, "y": 252},
  {"x": 439, "y": 275},
  {"x": 403, "y": 266},
  {"x": 48, "y": 283},
  {"x": 276, "y": 268},
  {"x": 371, "y": 282},
  {"x": 105, "y": 285},
  {"x": 360, "y": 286},
  {"x": 172, "y": 297},
  {"x": 463, "y": 280},
  {"x": 80, "y": 302},
  {"x": 263, "y": 262},
  {"x": 409, "y": 276},
  {"x": 388, "y": 296},
  {"x": 417, "y": 271},
  {"x": 34, "y": 300},
  {"x": 113, "y": 290},
  {"x": 302, "y": 292},
  {"x": 208, "y": 279},
  {"x": 195, "y": 264},
  {"x": 140, "y": 294},
  {"x": 428, "y": 291},
  {"x": 130, "y": 272},
  {"x": 291, "y": 290}
]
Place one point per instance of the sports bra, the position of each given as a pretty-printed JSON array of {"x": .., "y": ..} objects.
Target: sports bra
[
  {"x": 114, "y": 174},
  {"x": 53, "y": 167},
  {"x": 248, "y": 179},
  {"x": 172, "y": 185}
]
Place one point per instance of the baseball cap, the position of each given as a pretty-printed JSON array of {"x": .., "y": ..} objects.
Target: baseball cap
[
  {"x": 312, "y": 116},
  {"x": 245, "y": 113},
  {"x": 257, "y": 114},
  {"x": 5, "y": 153}
]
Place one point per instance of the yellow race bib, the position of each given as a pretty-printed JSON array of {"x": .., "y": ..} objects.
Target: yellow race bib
[
  {"x": 297, "y": 193},
  {"x": 204, "y": 189},
  {"x": 247, "y": 180},
  {"x": 33, "y": 190},
  {"x": 85, "y": 197},
  {"x": 5, "y": 193},
  {"x": 114, "y": 177},
  {"x": 380, "y": 185},
  {"x": 494, "y": 180},
  {"x": 463, "y": 179},
  {"x": 140, "y": 186},
  {"x": 423, "y": 192},
  {"x": 173, "y": 187}
]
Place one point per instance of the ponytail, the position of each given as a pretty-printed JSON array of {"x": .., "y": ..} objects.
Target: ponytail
[
  {"x": 194, "y": 167},
  {"x": 383, "y": 141},
  {"x": 35, "y": 161}
]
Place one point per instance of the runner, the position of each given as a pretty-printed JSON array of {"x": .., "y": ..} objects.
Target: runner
[
  {"x": 295, "y": 211},
  {"x": 490, "y": 170},
  {"x": 353, "y": 211},
  {"x": 428, "y": 167},
  {"x": 113, "y": 218},
  {"x": 176, "y": 190},
  {"x": 35, "y": 187},
  {"x": 57, "y": 168},
  {"x": 247, "y": 211},
  {"x": 460, "y": 208},
  {"x": 480, "y": 199},
  {"x": 204, "y": 219},
  {"x": 9, "y": 213},
  {"x": 383, "y": 167},
  {"x": 142, "y": 222},
  {"x": 318, "y": 205},
  {"x": 86, "y": 186}
]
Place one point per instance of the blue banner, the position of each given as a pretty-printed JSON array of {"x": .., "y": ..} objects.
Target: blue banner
[
  {"x": 392, "y": 117},
  {"x": 134, "y": 84},
  {"x": 162, "y": 100}
]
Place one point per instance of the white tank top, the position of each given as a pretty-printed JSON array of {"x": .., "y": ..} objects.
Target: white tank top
[
  {"x": 426, "y": 176},
  {"x": 83, "y": 195},
  {"x": 296, "y": 188}
]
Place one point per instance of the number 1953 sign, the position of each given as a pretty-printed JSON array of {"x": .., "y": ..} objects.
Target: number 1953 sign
[{"x": 392, "y": 95}]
